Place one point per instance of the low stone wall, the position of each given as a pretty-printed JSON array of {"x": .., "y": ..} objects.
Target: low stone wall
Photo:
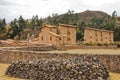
[
  {"x": 85, "y": 68},
  {"x": 112, "y": 62},
  {"x": 89, "y": 47},
  {"x": 37, "y": 48}
]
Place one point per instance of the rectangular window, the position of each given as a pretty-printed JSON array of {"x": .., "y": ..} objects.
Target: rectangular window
[
  {"x": 101, "y": 39},
  {"x": 96, "y": 39},
  {"x": 41, "y": 38},
  {"x": 96, "y": 33},
  {"x": 90, "y": 37},
  {"x": 50, "y": 38}
]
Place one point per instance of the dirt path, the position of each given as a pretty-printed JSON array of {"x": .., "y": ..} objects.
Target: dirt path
[{"x": 90, "y": 51}]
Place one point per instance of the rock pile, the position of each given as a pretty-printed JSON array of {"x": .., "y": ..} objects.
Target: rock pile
[
  {"x": 85, "y": 68},
  {"x": 112, "y": 62},
  {"x": 38, "y": 48}
]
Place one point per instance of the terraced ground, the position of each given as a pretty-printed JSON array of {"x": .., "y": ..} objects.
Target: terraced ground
[
  {"x": 3, "y": 67},
  {"x": 113, "y": 76}
]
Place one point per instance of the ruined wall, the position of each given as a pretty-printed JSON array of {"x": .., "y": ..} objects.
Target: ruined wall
[
  {"x": 90, "y": 47},
  {"x": 98, "y": 36},
  {"x": 84, "y": 68},
  {"x": 89, "y": 36},
  {"x": 112, "y": 62},
  {"x": 70, "y": 33},
  {"x": 42, "y": 35}
]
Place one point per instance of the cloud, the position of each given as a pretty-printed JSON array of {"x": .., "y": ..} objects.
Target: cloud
[
  {"x": 110, "y": 7},
  {"x": 44, "y": 0},
  {"x": 11, "y": 9},
  {"x": 8, "y": 3}
]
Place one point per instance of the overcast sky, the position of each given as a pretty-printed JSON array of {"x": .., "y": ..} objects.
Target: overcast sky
[{"x": 11, "y": 9}]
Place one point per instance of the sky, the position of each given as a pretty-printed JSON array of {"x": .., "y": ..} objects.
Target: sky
[{"x": 10, "y": 9}]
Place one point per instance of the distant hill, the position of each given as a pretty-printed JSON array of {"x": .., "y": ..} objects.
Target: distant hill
[
  {"x": 94, "y": 19},
  {"x": 86, "y": 15}
]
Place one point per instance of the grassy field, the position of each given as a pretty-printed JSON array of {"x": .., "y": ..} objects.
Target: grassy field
[{"x": 3, "y": 67}]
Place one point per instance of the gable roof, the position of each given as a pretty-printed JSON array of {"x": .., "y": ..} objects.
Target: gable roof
[
  {"x": 66, "y": 25},
  {"x": 98, "y": 29}
]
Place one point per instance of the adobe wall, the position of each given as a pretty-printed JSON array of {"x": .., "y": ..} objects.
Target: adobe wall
[
  {"x": 45, "y": 37},
  {"x": 112, "y": 62},
  {"x": 72, "y": 35},
  {"x": 64, "y": 31},
  {"x": 98, "y": 36}
]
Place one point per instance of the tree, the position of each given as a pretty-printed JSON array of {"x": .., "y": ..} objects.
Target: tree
[{"x": 2, "y": 28}]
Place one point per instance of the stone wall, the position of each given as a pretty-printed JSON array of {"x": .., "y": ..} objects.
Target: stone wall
[
  {"x": 90, "y": 47},
  {"x": 112, "y": 62},
  {"x": 85, "y": 68}
]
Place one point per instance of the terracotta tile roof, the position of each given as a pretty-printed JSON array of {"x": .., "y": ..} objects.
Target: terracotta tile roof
[
  {"x": 98, "y": 29},
  {"x": 66, "y": 25}
]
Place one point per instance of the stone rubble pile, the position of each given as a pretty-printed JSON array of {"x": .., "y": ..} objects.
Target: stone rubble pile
[
  {"x": 38, "y": 48},
  {"x": 85, "y": 68},
  {"x": 112, "y": 62}
]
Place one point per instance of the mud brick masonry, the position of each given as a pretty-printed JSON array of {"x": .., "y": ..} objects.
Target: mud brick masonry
[
  {"x": 63, "y": 34},
  {"x": 66, "y": 34},
  {"x": 92, "y": 35}
]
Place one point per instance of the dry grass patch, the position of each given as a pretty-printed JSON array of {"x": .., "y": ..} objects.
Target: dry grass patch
[
  {"x": 3, "y": 68},
  {"x": 114, "y": 76}
]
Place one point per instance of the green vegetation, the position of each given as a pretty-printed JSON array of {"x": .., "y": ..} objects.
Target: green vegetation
[
  {"x": 2, "y": 28},
  {"x": 19, "y": 29},
  {"x": 93, "y": 19}
]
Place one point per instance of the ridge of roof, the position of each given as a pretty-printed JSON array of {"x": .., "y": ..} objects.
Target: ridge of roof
[{"x": 66, "y": 25}]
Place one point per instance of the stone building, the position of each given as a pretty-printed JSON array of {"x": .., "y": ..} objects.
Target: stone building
[
  {"x": 58, "y": 35},
  {"x": 92, "y": 35}
]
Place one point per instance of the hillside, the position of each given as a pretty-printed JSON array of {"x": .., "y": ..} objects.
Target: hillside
[
  {"x": 88, "y": 13},
  {"x": 93, "y": 19},
  {"x": 74, "y": 18}
]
